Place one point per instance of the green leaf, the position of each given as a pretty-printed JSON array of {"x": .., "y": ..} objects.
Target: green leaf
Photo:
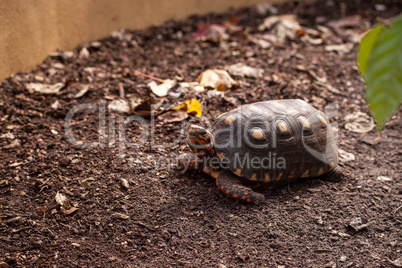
[
  {"x": 383, "y": 73},
  {"x": 366, "y": 46}
]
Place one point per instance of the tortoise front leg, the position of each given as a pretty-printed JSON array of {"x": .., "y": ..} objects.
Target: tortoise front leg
[
  {"x": 233, "y": 187},
  {"x": 190, "y": 161}
]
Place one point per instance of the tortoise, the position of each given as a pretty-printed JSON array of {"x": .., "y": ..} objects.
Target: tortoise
[{"x": 273, "y": 142}]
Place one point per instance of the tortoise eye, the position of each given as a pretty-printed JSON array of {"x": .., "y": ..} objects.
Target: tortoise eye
[
  {"x": 202, "y": 131},
  {"x": 196, "y": 131}
]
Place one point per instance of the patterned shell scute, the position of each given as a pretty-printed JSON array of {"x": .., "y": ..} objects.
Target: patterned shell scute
[{"x": 275, "y": 141}]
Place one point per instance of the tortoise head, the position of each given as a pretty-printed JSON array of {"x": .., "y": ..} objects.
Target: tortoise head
[{"x": 201, "y": 141}]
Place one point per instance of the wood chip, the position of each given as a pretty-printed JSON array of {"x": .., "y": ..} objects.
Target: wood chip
[
  {"x": 82, "y": 92},
  {"x": 120, "y": 216},
  {"x": 383, "y": 178},
  {"x": 14, "y": 144},
  {"x": 4, "y": 183},
  {"x": 70, "y": 211},
  {"x": 125, "y": 183}
]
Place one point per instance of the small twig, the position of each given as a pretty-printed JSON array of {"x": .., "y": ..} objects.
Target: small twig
[
  {"x": 121, "y": 91},
  {"x": 148, "y": 76},
  {"x": 396, "y": 210}
]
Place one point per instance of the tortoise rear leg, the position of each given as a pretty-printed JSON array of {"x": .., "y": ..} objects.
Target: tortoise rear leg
[
  {"x": 233, "y": 187},
  {"x": 334, "y": 175}
]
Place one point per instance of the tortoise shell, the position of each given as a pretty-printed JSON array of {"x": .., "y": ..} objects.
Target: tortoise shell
[{"x": 275, "y": 141}]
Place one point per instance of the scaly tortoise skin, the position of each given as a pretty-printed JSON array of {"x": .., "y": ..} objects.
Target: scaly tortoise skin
[{"x": 273, "y": 142}]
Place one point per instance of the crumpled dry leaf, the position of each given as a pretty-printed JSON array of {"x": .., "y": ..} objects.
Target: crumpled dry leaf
[
  {"x": 191, "y": 106},
  {"x": 263, "y": 8},
  {"x": 95, "y": 44},
  {"x": 58, "y": 65},
  {"x": 383, "y": 178},
  {"x": 183, "y": 87},
  {"x": 55, "y": 105},
  {"x": 63, "y": 54},
  {"x": 92, "y": 70},
  {"x": 62, "y": 200},
  {"x": 84, "y": 53},
  {"x": 44, "y": 88},
  {"x": 218, "y": 79},
  {"x": 162, "y": 90},
  {"x": 211, "y": 32},
  {"x": 122, "y": 35},
  {"x": 16, "y": 164},
  {"x": 323, "y": 82},
  {"x": 396, "y": 263},
  {"x": 173, "y": 116},
  {"x": 82, "y": 92},
  {"x": 350, "y": 21},
  {"x": 70, "y": 211},
  {"x": 215, "y": 93},
  {"x": 358, "y": 224},
  {"x": 134, "y": 100},
  {"x": 313, "y": 41},
  {"x": 142, "y": 106},
  {"x": 284, "y": 26},
  {"x": 232, "y": 100},
  {"x": 119, "y": 106},
  {"x": 342, "y": 48},
  {"x": 7, "y": 135},
  {"x": 346, "y": 156},
  {"x": 352, "y": 36},
  {"x": 243, "y": 70},
  {"x": 120, "y": 216},
  {"x": 346, "y": 27},
  {"x": 13, "y": 144},
  {"x": 359, "y": 122},
  {"x": 177, "y": 90},
  {"x": 195, "y": 86},
  {"x": 263, "y": 40}
]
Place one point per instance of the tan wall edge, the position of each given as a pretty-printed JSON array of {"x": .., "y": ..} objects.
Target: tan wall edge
[{"x": 30, "y": 30}]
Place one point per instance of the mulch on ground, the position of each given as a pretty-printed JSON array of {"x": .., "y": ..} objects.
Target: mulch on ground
[{"x": 117, "y": 204}]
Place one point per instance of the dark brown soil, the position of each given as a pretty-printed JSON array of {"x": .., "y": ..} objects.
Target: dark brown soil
[{"x": 164, "y": 218}]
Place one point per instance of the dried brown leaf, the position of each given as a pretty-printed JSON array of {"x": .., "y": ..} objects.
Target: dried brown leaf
[
  {"x": 44, "y": 88},
  {"x": 218, "y": 79}
]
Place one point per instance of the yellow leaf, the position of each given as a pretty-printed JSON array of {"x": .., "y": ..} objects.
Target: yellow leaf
[
  {"x": 195, "y": 108},
  {"x": 191, "y": 106}
]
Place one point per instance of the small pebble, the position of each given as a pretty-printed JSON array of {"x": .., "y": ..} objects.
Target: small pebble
[
  {"x": 380, "y": 7},
  {"x": 65, "y": 161},
  {"x": 343, "y": 258},
  {"x": 358, "y": 224},
  {"x": 124, "y": 183}
]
